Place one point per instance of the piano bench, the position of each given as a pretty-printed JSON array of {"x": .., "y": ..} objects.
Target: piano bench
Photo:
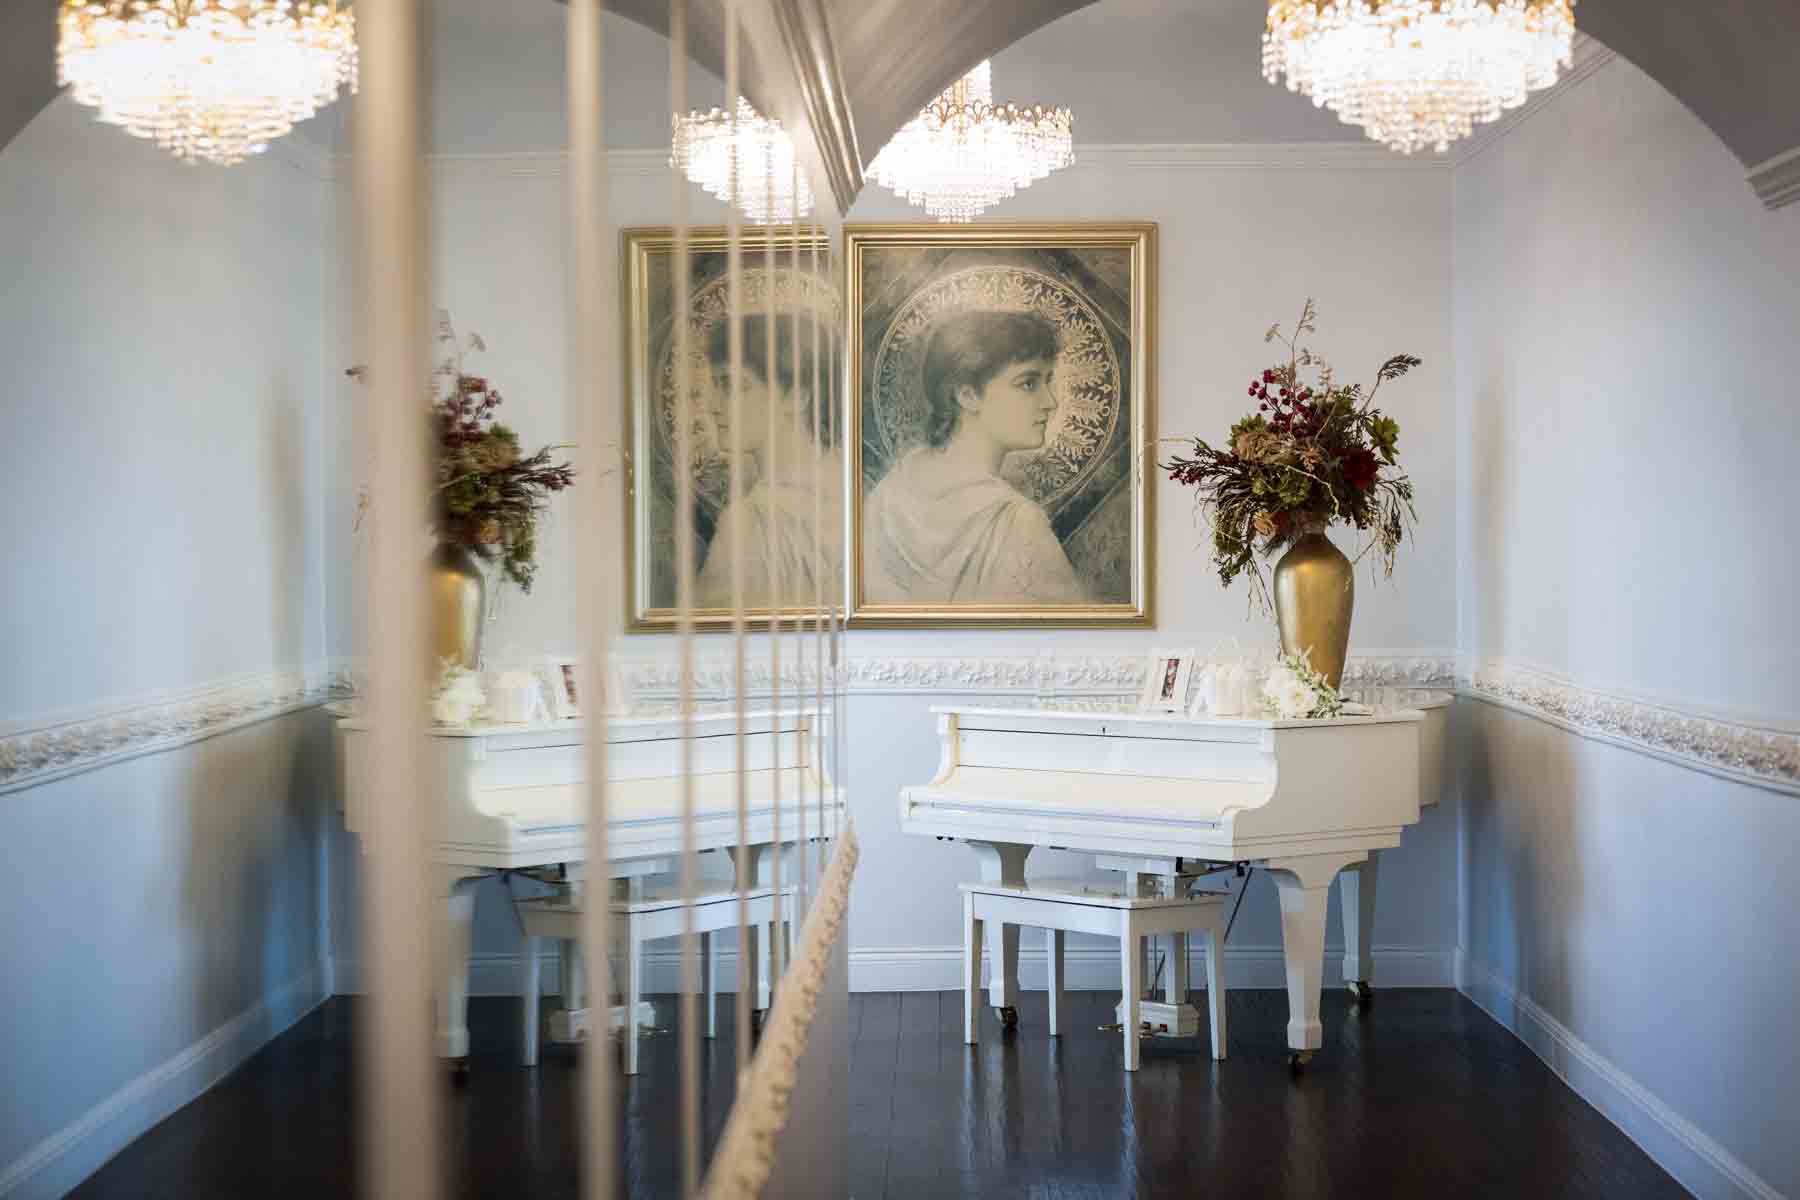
[
  {"x": 1076, "y": 906},
  {"x": 652, "y": 915}
]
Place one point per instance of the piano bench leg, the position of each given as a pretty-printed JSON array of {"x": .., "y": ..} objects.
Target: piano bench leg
[
  {"x": 1215, "y": 987},
  {"x": 530, "y": 994},
  {"x": 1131, "y": 972},
  {"x": 971, "y": 970},
  {"x": 709, "y": 978}
]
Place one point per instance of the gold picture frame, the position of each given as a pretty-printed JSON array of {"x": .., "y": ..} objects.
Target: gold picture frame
[
  {"x": 646, "y": 277},
  {"x": 1042, "y": 523}
]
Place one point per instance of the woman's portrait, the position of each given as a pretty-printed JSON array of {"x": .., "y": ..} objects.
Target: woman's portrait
[
  {"x": 790, "y": 470},
  {"x": 782, "y": 435},
  {"x": 1001, "y": 411}
]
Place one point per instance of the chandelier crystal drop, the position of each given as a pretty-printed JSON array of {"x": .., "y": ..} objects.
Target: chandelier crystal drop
[
  {"x": 212, "y": 80},
  {"x": 1417, "y": 73},
  {"x": 744, "y": 153},
  {"x": 963, "y": 153}
]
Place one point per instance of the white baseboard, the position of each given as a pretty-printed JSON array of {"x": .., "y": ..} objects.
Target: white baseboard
[
  {"x": 1096, "y": 968},
  {"x": 939, "y": 968},
  {"x": 1676, "y": 1144},
  {"x": 68, "y": 1156}
]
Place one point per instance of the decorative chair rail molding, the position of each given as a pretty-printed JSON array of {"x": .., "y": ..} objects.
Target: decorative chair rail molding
[
  {"x": 66, "y": 743},
  {"x": 746, "y": 1152},
  {"x": 1728, "y": 746},
  {"x": 1037, "y": 675}
]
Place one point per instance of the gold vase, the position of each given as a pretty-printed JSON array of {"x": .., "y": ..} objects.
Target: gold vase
[
  {"x": 1315, "y": 591},
  {"x": 458, "y": 596}
]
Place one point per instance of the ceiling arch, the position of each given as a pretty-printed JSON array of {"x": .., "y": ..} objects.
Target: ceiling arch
[{"x": 853, "y": 71}]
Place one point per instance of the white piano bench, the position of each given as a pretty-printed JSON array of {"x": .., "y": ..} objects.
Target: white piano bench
[
  {"x": 652, "y": 915},
  {"x": 1073, "y": 906}
]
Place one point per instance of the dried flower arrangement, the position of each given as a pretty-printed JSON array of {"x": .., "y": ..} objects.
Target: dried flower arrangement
[
  {"x": 1311, "y": 454},
  {"x": 486, "y": 496}
]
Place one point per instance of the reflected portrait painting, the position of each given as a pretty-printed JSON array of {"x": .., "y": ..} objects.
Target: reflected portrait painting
[
  {"x": 1002, "y": 411},
  {"x": 786, "y": 439}
]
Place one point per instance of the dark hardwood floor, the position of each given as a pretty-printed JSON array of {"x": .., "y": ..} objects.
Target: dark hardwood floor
[{"x": 1423, "y": 1095}]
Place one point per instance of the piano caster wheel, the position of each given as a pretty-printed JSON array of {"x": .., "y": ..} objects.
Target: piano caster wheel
[
  {"x": 1297, "y": 1060},
  {"x": 459, "y": 1070},
  {"x": 1009, "y": 1017},
  {"x": 1364, "y": 996}
]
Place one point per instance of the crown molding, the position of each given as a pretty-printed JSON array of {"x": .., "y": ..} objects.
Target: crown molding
[
  {"x": 1743, "y": 749},
  {"x": 1777, "y": 181},
  {"x": 1587, "y": 56},
  {"x": 57, "y": 745}
]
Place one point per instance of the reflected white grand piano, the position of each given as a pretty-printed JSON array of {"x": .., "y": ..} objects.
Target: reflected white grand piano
[
  {"x": 1171, "y": 797},
  {"x": 514, "y": 798}
]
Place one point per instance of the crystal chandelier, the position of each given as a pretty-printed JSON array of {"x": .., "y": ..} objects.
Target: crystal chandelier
[
  {"x": 1417, "y": 73},
  {"x": 964, "y": 153},
  {"x": 745, "y": 154},
  {"x": 206, "y": 79}
]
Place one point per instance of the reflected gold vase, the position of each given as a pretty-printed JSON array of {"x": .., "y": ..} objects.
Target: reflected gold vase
[
  {"x": 458, "y": 595},
  {"x": 1315, "y": 591}
]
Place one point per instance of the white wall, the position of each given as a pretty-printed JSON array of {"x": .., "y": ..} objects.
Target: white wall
[
  {"x": 160, "y": 326},
  {"x": 1240, "y": 248},
  {"x": 1624, "y": 312}
]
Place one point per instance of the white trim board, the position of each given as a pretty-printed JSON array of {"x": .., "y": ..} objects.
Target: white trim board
[
  {"x": 74, "y": 1152},
  {"x": 1674, "y": 1143},
  {"x": 939, "y": 969}
]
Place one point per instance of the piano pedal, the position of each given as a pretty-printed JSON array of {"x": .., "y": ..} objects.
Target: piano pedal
[{"x": 1145, "y": 1030}]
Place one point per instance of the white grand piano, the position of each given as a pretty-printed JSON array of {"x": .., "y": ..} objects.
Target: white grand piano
[
  {"x": 514, "y": 798},
  {"x": 1171, "y": 797}
]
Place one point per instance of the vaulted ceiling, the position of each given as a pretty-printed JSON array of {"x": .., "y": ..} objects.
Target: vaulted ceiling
[{"x": 853, "y": 71}]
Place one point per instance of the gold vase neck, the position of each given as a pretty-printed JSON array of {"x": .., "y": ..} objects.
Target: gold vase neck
[{"x": 1307, "y": 522}]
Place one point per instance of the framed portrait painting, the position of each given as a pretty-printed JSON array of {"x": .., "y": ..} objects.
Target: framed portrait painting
[
  {"x": 787, "y": 441},
  {"x": 1002, "y": 403}
]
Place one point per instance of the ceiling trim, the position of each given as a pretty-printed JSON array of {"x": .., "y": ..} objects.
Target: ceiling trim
[
  {"x": 1777, "y": 181},
  {"x": 1588, "y": 57}
]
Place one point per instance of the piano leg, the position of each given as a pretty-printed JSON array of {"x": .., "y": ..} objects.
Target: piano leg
[
  {"x": 1175, "y": 983},
  {"x": 1054, "y": 946},
  {"x": 1305, "y": 887},
  {"x": 455, "y": 919},
  {"x": 574, "y": 976},
  {"x": 1003, "y": 862},
  {"x": 1356, "y": 888}
]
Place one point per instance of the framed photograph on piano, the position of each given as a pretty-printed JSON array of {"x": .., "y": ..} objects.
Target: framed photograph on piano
[{"x": 1166, "y": 681}]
